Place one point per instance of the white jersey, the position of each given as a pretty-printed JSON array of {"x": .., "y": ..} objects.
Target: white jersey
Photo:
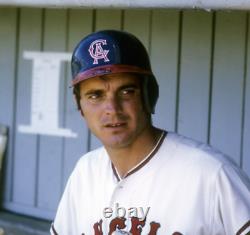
[{"x": 181, "y": 188}]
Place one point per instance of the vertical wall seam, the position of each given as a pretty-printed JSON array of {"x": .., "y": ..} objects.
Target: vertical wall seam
[
  {"x": 38, "y": 136},
  {"x": 14, "y": 120},
  {"x": 66, "y": 48},
  {"x": 178, "y": 70},
  {"x": 211, "y": 77},
  {"x": 94, "y": 15},
  {"x": 122, "y": 19},
  {"x": 65, "y": 95},
  {"x": 244, "y": 90},
  {"x": 37, "y": 170},
  {"x": 42, "y": 30},
  {"x": 150, "y": 32}
]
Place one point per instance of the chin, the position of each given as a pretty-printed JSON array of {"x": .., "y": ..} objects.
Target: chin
[{"x": 117, "y": 142}]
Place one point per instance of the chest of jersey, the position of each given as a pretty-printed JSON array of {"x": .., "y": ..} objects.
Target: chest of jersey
[
  {"x": 184, "y": 189},
  {"x": 151, "y": 201}
]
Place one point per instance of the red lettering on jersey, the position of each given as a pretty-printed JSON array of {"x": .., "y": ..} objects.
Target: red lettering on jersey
[
  {"x": 98, "y": 228},
  {"x": 117, "y": 223},
  {"x": 153, "y": 228},
  {"x": 137, "y": 225}
]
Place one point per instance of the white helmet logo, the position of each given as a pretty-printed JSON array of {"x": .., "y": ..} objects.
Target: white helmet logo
[{"x": 97, "y": 52}]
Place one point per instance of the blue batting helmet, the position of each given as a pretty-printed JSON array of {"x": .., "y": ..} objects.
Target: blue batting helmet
[{"x": 112, "y": 51}]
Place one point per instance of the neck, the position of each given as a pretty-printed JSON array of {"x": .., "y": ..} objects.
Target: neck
[{"x": 128, "y": 157}]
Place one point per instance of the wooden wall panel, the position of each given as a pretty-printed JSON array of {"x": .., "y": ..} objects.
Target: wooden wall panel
[
  {"x": 194, "y": 87},
  {"x": 79, "y": 25},
  {"x": 138, "y": 23},
  {"x": 191, "y": 69},
  {"x": 164, "y": 60},
  {"x": 246, "y": 112},
  {"x": 228, "y": 76},
  {"x": 108, "y": 19},
  {"x": 8, "y": 47},
  {"x": 26, "y": 145},
  {"x": 50, "y": 153}
]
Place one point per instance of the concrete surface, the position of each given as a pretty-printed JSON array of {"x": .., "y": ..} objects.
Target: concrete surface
[{"x": 13, "y": 224}]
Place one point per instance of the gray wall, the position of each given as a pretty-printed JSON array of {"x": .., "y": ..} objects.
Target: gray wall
[{"x": 201, "y": 60}]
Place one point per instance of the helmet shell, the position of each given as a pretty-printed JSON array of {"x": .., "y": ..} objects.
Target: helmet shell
[{"x": 113, "y": 51}]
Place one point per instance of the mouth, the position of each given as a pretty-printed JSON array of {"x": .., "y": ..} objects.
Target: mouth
[{"x": 115, "y": 125}]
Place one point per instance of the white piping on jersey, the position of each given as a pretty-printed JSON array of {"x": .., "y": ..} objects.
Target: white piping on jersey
[{"x": 152, "y": 152}]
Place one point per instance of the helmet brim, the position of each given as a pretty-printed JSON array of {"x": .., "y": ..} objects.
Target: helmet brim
[{"x": 108, "y": 69}]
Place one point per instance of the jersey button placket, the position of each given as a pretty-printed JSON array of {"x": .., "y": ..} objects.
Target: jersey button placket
[{"x": 117, "y": 192}]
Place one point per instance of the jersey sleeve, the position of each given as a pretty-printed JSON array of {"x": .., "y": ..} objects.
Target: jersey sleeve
[{"x": 232, "y": 202}]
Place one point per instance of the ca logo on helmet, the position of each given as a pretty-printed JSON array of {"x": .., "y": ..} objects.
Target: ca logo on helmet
[{"x": 97, "y": 52}]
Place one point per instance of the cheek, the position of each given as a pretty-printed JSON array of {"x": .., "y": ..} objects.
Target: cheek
[
  {"x": 89, "y": 113},
  {"x": 135, "y": 107},
  {"x": 92, "y": 120},
  {"x": 87, "y": 108},
  {"x": 136, "y": 113}
]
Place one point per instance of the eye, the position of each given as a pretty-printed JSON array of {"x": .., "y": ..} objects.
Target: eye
[
  {"x": 128, "y": 91},
  {"x": 94, "y": 96}
]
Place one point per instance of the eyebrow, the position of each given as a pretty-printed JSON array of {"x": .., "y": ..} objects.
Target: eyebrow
[
  {"x": 132, "y": 85},
  {"x": 93, "y": 91},
  {"x": 126, "y": 86}
]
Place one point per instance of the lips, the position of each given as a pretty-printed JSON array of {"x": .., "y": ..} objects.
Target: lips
[{"x": 115, "y": 125}]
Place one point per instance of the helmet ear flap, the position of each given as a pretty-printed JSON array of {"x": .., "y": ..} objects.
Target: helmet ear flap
[{"x": 150, "y": 93}]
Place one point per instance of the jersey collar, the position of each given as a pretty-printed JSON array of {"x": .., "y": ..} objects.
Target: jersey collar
[{"x": 143, "y": 162}]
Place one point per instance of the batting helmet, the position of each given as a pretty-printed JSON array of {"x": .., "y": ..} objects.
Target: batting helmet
[{"x": 112, "y": 51}]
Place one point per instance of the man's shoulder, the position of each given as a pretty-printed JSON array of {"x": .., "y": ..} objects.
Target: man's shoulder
[
  {"x": 189, "y": 150},
  {"x": 93, "y": 156},
  {"x": 91, "y": 164}
]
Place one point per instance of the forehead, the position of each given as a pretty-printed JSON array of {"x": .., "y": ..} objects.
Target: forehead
[{"x": 116, "y": 80}]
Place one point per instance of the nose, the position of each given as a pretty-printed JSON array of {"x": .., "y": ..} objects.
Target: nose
[{"x": 112, "y": 105}]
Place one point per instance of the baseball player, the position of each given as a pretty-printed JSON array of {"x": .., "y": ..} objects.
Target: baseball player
[{"x": 143, "y": 180}]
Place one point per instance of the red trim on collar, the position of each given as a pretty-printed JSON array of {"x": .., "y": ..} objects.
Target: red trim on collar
[
  {"x": 115, "y": 172},
  {"x": 150, "y": 156},
  {"x": 144, "y": 161},
  {"x": 54, "y": 230},
  {"x": 243, "y": 228}
]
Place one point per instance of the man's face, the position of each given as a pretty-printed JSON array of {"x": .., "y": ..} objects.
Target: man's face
[{"x": 112, "y": 107}]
